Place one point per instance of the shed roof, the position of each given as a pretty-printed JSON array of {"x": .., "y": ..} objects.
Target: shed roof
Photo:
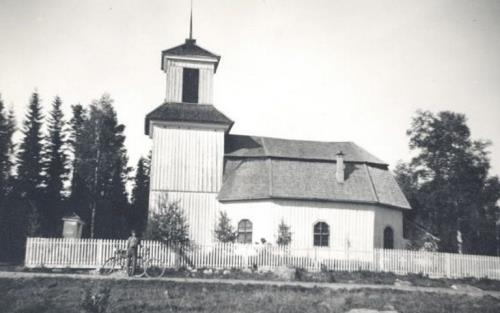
[{"x": 187, "y": 112}]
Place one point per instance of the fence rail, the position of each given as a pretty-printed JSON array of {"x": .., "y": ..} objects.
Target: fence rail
[{"x": 91, "y": 253}]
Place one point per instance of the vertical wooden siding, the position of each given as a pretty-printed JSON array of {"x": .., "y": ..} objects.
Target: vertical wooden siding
[
  {"x": 174, "y": 82},
  {"x": 173, "y": 72},
  {"x": 200, "y": 209},
  {"x": 350, "y": 225},
  {"x": 188, "y": 160}
]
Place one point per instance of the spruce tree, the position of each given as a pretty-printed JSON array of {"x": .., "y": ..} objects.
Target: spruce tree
[
  {"x": 7, "y": 225},
  {"x": 79, "y": 146},
  {"x": 55, "y": 170},
  {"x": 7, "y": 129},
  {"x": 140, "y": 196},
  {"x": 29, "y": 172}
]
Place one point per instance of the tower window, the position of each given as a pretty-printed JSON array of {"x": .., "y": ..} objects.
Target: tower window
[{"x": 190, "y": 82}]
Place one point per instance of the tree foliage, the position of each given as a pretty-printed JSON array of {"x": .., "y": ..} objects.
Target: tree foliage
[
  {"x": 10, "y": 229},
  {"x": 140, "y": 196},
  {"x": 29, "y": 172},
  {"x": 7, "y": 129},
  {"x": 91, "y": 153},
  {"x": 80, "y": 195},
  {"x": 448, "y": 185},
  {"x": 55, "y": 170},
  {"x": 100, "y": 169},
  {"x": 224, "y": 230},
  {"x": 284, "y": 234},
  {"x": 168, "y": 224}
]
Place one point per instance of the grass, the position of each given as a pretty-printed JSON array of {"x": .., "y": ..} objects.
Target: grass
[
  {"x": 59, "y": 294},
  {"x": 357, "y": 277}
]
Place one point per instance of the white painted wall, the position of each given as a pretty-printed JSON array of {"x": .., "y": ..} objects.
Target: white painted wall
[
  {"x": 348, "y": 222},
  {"x": 187, "y": 166},
  {"x": 388, "y": 217},
  {"x": 200, "y": 208},
  {"x": 360, "y": 226},
  {"x": 173, "y": 70},
  {"x": 189, "y": 160}
]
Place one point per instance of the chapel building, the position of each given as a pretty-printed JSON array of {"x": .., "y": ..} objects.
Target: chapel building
[{"x": 333, "y": 195}]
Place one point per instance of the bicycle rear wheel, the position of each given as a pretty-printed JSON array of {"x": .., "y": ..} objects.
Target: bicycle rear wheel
[
  {"x": 111, "y": 265},
  {"x": 154, "y": 268}
]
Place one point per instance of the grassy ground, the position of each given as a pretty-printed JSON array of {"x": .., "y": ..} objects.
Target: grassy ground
[
  {"x": 65, "y": 295},
  {"x": 357, "y": 277}
]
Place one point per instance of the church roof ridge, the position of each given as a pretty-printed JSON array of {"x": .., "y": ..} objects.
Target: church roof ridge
[{"x": 244, "y": 146}]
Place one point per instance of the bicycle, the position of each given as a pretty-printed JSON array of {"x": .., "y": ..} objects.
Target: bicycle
[{"x": 145, "y": 266}]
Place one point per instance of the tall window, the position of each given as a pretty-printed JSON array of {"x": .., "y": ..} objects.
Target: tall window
[
  {"x": 388, "y": 238},
  {"x": 190, "y": 81},
  {"x": 245, "y": 231},
  {"x": 321, "y": 234}
]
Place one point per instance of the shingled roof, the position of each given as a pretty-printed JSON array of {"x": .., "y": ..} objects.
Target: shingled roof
[
  {"x": 267, "y": 168},
  {"x": 190, "y": 49},
  {"x": 187, "y": 112},
  {"x": 252, "y": 146}
]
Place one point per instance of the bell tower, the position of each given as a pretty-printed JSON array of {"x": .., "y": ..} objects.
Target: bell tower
[
  {"x": 189, "y": 72},
  {"x": 188, "y": 135}
]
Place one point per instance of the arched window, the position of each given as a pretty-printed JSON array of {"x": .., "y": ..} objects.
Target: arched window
[
  {"x": 245, "y": 231},
  {"x": 321, "y": 234},
  {"x": 388, "y": 238}
]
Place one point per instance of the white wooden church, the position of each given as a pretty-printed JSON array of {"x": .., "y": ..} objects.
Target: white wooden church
[{"x": 333, "y": 195}]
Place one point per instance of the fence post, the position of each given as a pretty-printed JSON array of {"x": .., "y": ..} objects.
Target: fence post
[
  {"x": 27, "y": 255},
  {"x": 100, "y": 260},
  {"x": 447, "y": 265}
]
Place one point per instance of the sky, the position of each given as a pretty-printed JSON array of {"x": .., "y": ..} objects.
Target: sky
[{"x": 323, "y": 70}]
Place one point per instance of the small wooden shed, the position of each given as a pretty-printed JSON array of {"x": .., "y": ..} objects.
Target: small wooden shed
[{"x": 72, "y": 226}]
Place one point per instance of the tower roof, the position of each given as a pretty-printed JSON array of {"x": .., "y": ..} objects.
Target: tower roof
[
  {"x": 191, "y": 50},
  {"x": 187, "y": 112}
]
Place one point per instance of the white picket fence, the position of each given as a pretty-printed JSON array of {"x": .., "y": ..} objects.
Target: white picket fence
[{"x": 92, "y": 253}]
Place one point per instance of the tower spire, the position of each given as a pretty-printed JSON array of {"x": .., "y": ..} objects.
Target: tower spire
[{"x": 191, "y": 22}]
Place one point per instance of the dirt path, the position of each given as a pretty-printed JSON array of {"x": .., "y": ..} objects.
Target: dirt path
[{"x": 333, "y": 286}]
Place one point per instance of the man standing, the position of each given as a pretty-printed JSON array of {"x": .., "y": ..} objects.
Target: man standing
[{"x": 132, "y": 245}]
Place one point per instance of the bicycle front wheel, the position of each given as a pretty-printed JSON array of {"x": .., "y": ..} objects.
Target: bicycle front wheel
[
  {"x": 109, "y": 266},
  {"x": 154, "y": 268}
]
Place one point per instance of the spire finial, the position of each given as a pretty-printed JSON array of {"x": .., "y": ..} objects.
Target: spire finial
[{"x": 191, "y": 22}]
